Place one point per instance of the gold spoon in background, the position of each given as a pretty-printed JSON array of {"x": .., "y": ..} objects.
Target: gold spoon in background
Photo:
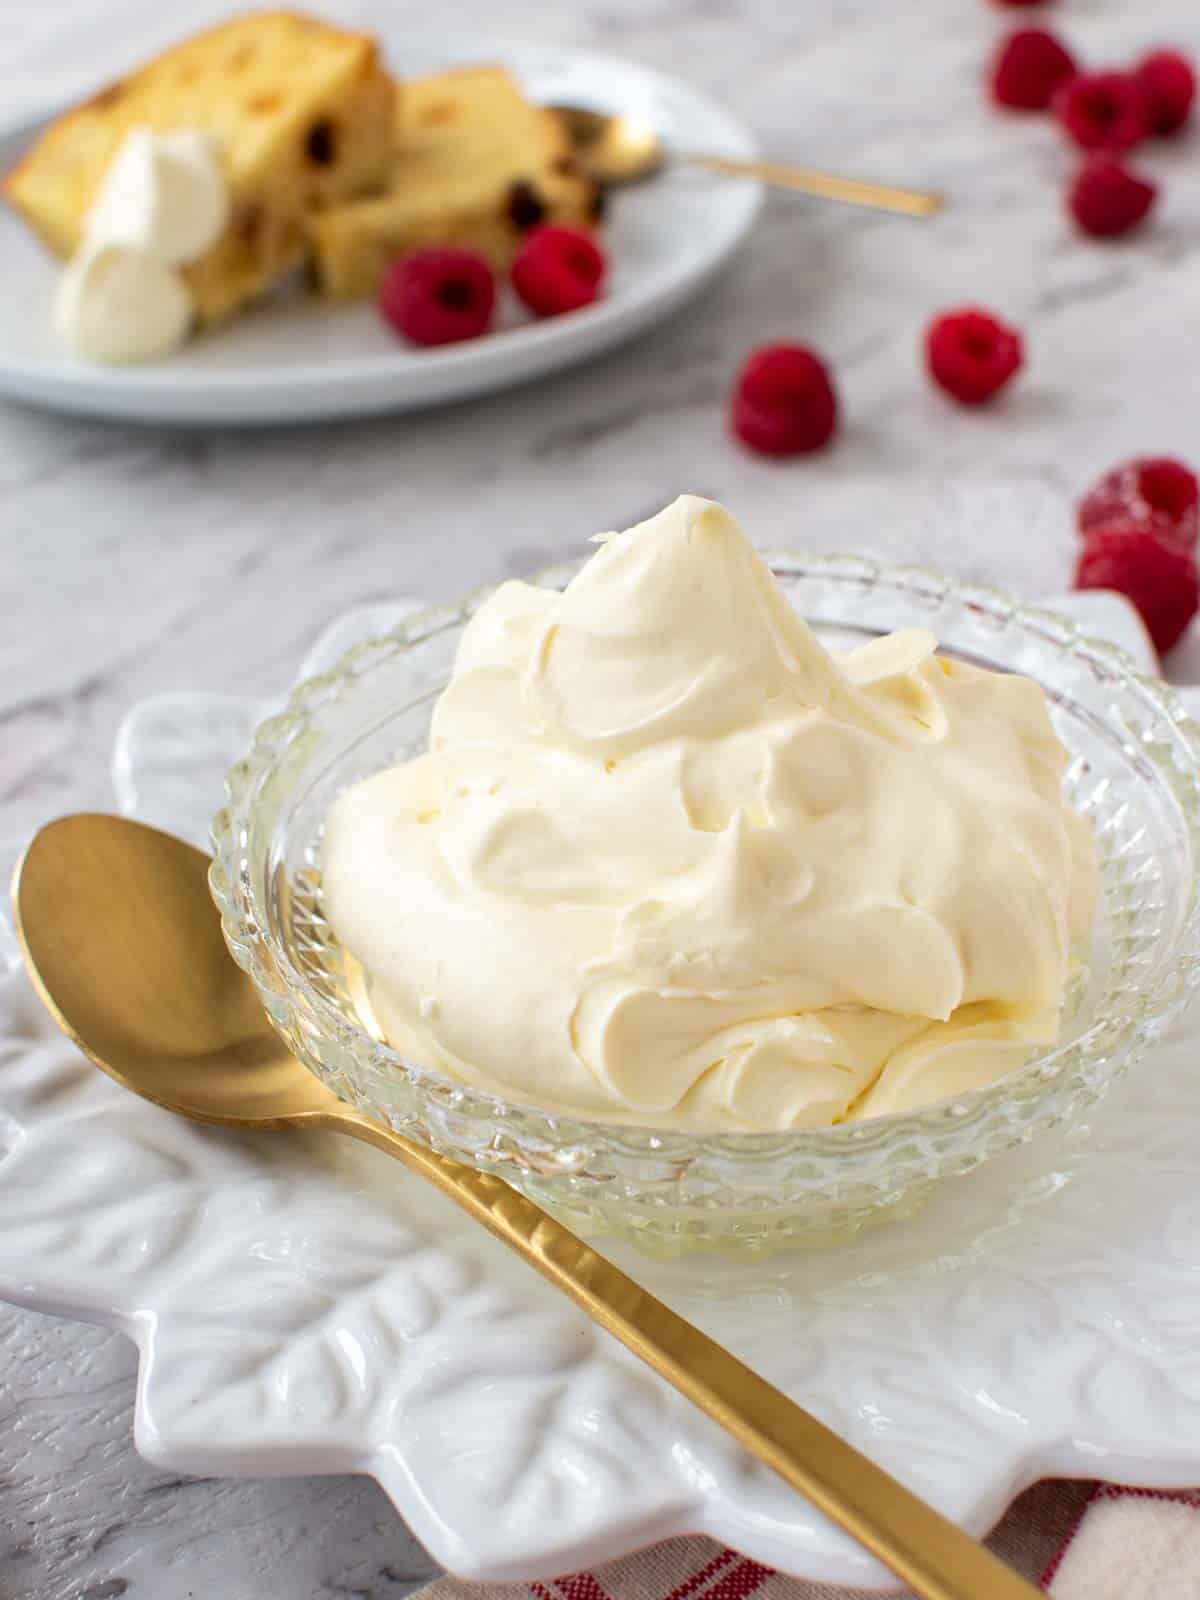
[
  {"x": 124, "y": 945},
  {"x": 615, "y": 150}
]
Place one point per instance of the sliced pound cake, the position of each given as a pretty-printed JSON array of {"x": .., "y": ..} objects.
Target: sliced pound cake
[
  {"x": 474, "y": 164},
  {"x": 303, "y": 113}
]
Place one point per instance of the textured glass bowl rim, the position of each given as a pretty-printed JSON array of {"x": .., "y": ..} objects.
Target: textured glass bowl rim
[{"x": 247, "y": 921}]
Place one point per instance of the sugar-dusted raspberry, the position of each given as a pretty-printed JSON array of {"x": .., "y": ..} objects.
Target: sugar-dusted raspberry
[
  {"x": 784, "y": 402},
  {"x": 438, "y": 296},
  {"x": 1103, "y": 110},
  {"x": 1154, "y": 492},
  {"x": 1158, "y": 578},
  {"x": 972, "y": 354},
  {"x": 1169, "y": 85},
  {"x": 1107, "y": 199},
  {"x": 1030, "y": 66},
  {"x": 558, "y": 269}
]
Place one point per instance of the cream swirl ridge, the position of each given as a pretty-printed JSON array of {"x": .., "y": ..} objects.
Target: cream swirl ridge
[{"x": 668, "y": 860}]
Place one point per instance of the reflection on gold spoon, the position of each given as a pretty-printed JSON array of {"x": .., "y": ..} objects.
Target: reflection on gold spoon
[{"x": 616, "y": 150}]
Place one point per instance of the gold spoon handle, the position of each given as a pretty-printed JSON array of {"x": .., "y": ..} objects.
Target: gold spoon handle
[
  {"x": 854, "y": 191},
  {"x": 938, "y": 1560}
]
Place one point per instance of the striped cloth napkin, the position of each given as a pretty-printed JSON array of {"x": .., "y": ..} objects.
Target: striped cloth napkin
[{"x": 1081, "y": 1541}]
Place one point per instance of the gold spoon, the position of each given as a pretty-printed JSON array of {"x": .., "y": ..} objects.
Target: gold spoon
[
  {"x": 615, "y": 150},
  {"x": 124, "y": 946}
]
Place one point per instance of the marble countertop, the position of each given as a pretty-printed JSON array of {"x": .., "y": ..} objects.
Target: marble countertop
[{"x": 133, "y": 562}]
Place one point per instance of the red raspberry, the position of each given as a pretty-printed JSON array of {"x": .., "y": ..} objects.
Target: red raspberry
[
  {"x": 438, "y": 296},
  {"x": 1030, "y": 66},
  {"x": 1103, "y": 110},
  {"x": 1154, "y": 493},
  {"x": 558, "y": 269},
  {"x": 1169, "y": 86},
  {"x": 1160, "y": 579},
  {"x": 971, "y": 354},
  {"x": 1107, "y": 199},
  {"x": 784, "y": 402}
]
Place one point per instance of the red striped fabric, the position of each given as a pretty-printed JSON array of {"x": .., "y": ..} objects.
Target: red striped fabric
[{"x": 1087, "y": 1542}]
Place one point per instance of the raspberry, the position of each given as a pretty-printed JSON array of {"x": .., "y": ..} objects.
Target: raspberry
[
  {"x": 784, "y": 402},
  {"x": 1107, "y": 199},
  {"x": 558, "y": 269},
  {"x": 1103, "y": 110},
  {"x": 1154, "y": 493},
  {"x": 971, "y": 354},
  {"x": 1169, "y": 86},
  {"x": 1030, "y": 66},
  {"x": 438, "y": 296},
  {"x": 1160, "y": 579}
]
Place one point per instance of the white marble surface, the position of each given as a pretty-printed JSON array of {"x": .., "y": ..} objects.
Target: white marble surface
[{"x": 133, "y": 562}]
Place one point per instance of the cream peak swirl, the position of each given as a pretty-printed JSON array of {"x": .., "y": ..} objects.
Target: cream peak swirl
[{"x": 670, "y": 861}]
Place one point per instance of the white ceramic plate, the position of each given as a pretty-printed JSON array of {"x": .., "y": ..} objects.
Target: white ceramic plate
[
  {"x": 301, "y": 360},
  {"x": 305, "y": 1307}
]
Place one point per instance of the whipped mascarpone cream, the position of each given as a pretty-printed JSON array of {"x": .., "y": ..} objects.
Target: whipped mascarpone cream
[
  {"x": 669, "y": 861},
  {"x": 164, "y": 202},
  {"x": 116, "y": 304}
]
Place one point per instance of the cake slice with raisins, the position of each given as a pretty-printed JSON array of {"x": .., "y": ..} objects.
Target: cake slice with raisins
[
  {"x": 303, "y": 114},
  {"x": 474, "y": 165}
]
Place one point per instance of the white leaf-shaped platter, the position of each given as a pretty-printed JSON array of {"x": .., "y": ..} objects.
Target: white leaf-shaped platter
[{"x": 303, "y": 1305}]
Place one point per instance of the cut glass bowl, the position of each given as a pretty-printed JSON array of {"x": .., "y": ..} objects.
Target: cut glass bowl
[{"x": 1133, "y": 772}]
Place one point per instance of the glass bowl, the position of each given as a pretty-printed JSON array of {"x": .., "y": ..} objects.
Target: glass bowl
[{"x": 1133, "y": 773}]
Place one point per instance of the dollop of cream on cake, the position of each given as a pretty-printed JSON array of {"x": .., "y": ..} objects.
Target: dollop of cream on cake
[{"x": 163, "y": 202}]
